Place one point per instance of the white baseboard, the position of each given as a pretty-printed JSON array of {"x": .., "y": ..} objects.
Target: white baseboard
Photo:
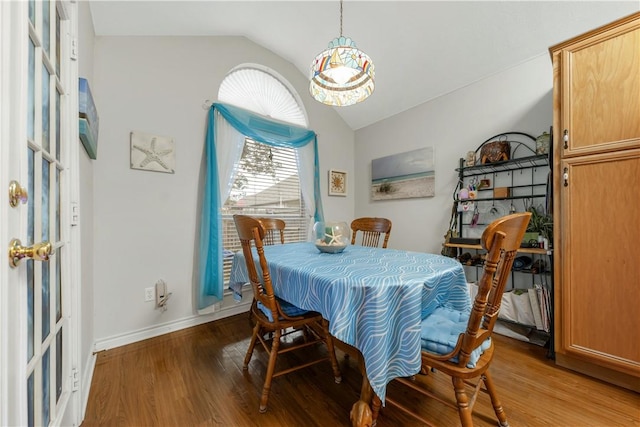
[{"x": 165, "y": 328}]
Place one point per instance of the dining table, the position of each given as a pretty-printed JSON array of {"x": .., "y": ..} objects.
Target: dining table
[{"x": 374, "y": 300}]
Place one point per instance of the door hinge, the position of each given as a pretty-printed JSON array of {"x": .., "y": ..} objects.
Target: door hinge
[
  {"x": 74, "y": 48},
  {"x": 75, "y": 379},
  {"x": 75, "y": 213}
]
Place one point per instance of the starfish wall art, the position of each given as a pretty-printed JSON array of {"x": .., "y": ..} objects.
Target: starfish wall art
[{"x": 152, "y": 152}]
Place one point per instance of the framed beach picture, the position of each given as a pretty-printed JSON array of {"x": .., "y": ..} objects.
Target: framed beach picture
[
  {"x": 403, "y": 176},
  {"x": 337, "y": 183}
]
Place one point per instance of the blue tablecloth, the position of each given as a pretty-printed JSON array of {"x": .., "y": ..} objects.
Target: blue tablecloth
[{"x": 374, "y": 299}]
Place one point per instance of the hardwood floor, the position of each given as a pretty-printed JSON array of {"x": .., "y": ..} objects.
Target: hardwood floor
[{"x": 194, "y": 377}]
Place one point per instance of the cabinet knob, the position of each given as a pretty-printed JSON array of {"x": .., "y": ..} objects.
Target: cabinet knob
[
  {"x": 565, "y": 177},
  {"x": 565, "y": 138}
]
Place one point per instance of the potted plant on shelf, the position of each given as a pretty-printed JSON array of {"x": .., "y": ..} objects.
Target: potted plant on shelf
[{"x": 540, "y": 224}]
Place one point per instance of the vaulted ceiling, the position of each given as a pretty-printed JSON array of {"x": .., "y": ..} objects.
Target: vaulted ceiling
[{"x": 421, "y": 49}]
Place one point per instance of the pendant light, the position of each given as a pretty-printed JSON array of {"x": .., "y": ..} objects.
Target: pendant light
[{"x": 343, "y": 74}]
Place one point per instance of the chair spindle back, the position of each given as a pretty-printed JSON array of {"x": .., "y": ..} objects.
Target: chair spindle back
[
  {"x": 251, "y": 230},
  {"x": 501, "y": 239},
  {"x": 273, "y": 230},
  {"x": 372, "y": 229}
]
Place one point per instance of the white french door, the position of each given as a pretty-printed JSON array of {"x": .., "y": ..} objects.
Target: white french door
[{"x": 37, "y": 85}]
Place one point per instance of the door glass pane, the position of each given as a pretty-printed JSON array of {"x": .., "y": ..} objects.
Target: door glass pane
[
  {"x": 58, "y": 43},
  {"x": 30, "y": 402},
  {"x": 30, "y": 310},
  {"x": 58, "y": 364},
  {"x": 46, "y": 77},
  {"x": 46, "y": 372},
  {"x": 31, "y": 93},
  {"x": 46, "y": 29},
  {"x": 32, "y": 12},
  {"x": 46, "y": 305}
]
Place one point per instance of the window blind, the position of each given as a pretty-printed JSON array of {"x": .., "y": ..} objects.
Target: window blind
[{"x": 266, "y": 185}]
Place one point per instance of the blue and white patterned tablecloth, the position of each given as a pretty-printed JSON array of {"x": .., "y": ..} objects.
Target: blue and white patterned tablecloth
[{"x": 374, "y": 299}]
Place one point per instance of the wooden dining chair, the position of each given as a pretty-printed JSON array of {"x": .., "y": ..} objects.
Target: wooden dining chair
[
  {"x": 275, "y": 316},
  {"x": 458, "y": 343},
  {"x": 273, "y": 233},
  {"x": 371, "y": 229},
  {"x": 273, "y": 230}
]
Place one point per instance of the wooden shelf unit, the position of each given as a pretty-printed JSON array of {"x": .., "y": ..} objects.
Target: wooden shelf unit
[{"x": 538, "y": 251}]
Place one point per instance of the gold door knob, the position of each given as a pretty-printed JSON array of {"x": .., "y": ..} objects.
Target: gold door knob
[
  {"x": 39, "y": 252},
  {"x": 17, "y": 194}
]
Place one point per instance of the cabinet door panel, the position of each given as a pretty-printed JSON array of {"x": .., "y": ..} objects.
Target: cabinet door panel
[
  {"x": 601, "y": 99},
  {"x": 599, "y": 260}
]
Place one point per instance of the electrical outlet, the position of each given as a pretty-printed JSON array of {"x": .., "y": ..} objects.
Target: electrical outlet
[{"x": 149, "y": 294}]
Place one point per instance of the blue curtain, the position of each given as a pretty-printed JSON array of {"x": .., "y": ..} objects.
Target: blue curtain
[{"x": 258, "y": 128}]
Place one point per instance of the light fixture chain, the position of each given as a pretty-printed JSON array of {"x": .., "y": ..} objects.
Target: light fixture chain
[{"x": 340, "y": 18}]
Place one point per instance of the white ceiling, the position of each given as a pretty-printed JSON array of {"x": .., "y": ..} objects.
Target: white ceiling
[{"x": 421, "y": 49}]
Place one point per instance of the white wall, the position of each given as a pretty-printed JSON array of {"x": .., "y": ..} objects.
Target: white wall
[
  {"x": 517, "y": 99},
  {"x": 145, "y": 222}
]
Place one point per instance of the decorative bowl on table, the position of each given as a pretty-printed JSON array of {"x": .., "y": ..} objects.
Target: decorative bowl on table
[{"x": 331, "y": 236}]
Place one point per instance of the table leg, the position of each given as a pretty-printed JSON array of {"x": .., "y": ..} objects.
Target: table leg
[{"x": 361, "y": 415}]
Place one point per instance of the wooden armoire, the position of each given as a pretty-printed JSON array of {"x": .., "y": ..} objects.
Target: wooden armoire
[{"x": 596, "y": 206}]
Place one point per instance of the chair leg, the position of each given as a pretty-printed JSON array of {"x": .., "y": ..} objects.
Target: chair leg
[
  {"x": 306, "y": 334},
  {"x": 253, "y": 304},
  {"x": 332, "y": 352},
  {"x": 464, "y": 411},
  {"x": 266, "y": 388},
  {"x": 497, "y": 406},
  {"x": 376, "y": 404},
  {"x": 252, "y": 344}
]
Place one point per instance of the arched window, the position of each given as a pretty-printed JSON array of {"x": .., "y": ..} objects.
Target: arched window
[
  {"x": 259, "y": 89},
  {"x": 266, "y": 183}
]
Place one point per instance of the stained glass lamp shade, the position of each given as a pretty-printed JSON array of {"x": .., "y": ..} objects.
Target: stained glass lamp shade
[{"x": 342, "y": 75}]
